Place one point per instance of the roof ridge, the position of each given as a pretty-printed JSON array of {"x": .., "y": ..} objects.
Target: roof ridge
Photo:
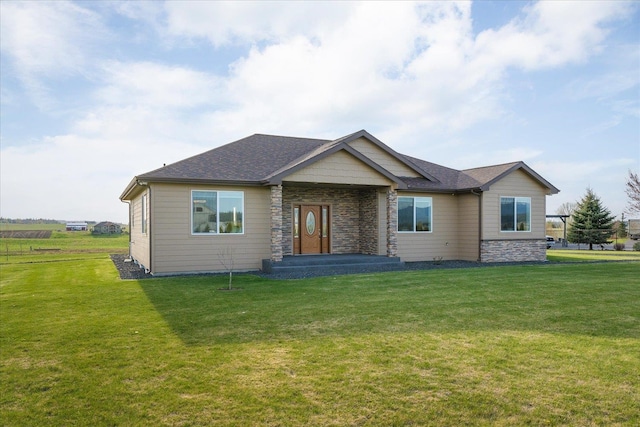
[
  {"x": 494, "y": 166},
  {"x": 283, "y": 136}
]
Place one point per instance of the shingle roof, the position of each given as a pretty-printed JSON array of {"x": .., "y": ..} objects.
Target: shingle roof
[
  {"x": 253, "y": 158},
  {"x": 265, "y": 159}
]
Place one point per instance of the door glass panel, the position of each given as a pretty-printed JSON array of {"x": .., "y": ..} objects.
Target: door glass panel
[
  {"x": 311, "y": 223},
  {"x": 325, "y": 222},
  {"x": 296, "y": 225}
]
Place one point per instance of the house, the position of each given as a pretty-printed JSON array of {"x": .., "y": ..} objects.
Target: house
[
  {"x": 76, "y": 226},
  {"x": 107, "y": 227},
  {"x": 267, "y": 197}
]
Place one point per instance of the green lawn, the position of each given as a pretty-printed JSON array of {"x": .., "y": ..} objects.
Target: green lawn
[
  {"x": 565, "y": 255},
  {"x": 61, "y": 246},
  {"x": 555, "y": 344},
  {"x": 6, "y": 226}
]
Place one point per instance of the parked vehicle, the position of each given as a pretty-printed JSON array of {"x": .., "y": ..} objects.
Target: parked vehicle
[
  {"x": 550, "y": 242},
  {"x": 634, "y": 229}
]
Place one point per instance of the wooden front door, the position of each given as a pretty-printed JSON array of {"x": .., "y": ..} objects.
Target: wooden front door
[{"x": 311, "y": 227}]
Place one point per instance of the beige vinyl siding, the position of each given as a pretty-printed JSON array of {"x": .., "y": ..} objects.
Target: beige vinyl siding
[
  {"x": 176, "y": 250},
  {"x": 443, "y": 241},
  {"x": 381, "y": 157},
  {"x": 468, "y": 227},
  {"x": 139, "y": 241},
  {"x": 516, "y": 184},
  {"x": 339, "y": 168}
]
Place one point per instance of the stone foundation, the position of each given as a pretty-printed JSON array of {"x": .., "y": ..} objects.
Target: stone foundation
[{"x": 513, "y": 250}]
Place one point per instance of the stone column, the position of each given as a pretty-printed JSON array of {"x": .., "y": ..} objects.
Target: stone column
[
  {"x": 276, "y": 223},
  {"x": 392, "y": 223}
]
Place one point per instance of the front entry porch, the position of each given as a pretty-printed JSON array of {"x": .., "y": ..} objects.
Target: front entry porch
[
  {"x": 320, "y": 219},
  {"x": 333, "y": 264}
]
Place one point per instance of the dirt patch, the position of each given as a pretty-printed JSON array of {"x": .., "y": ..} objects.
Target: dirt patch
[{"x": 25, "y": 234}]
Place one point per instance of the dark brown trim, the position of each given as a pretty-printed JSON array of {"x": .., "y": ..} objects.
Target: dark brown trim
[{"x": 526, "y": 169}]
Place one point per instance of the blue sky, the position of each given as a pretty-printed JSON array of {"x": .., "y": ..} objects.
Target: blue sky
[{"x": 94, "y": 93}]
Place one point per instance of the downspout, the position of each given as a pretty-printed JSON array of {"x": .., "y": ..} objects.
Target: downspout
[
  {"x": 479, "y": 224},
  {"x": 128, "y": 202},
  {"x": 149, "y": 229}
]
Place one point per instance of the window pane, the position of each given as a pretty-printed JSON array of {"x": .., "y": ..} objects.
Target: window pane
[
  {"x": 523, "y": 213},
  {"x": 231, "y": 205},
  {"x": 296, "y": 222},
  {"x": 423, "y": 214},
  {"x": 507, "y": 212},
  {"x": 204, "y": 211},
  {"x": 405, "y": 214},
  {"x": 144, "y": 214},
  {"x": 325, "y": 221}
]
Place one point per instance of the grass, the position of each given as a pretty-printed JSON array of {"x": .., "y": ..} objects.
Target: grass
[
  {"x": 61, "y": 246},
  {"x": 6, "y": 226},
  {"x": 564, "y": 255},
  {"x": 545, "y": 344}
]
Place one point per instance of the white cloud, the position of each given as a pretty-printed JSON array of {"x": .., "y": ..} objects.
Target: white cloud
[
  {"x": 74, "y": 177},
  {"x": 404, "y": 71},
  {"x": 158, "y": 86},
  {"x": 48, "y": 40},
  {"x": 250, "y": 22},
  {"x": 551, "y": 34}
]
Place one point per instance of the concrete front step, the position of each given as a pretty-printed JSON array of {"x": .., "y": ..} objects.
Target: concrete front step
[{"x": 335, "y": 262}]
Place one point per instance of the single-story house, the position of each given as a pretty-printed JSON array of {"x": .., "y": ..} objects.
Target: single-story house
[
  {"x": 107, "y": 227},
  {"x": 269, "y": 197}
]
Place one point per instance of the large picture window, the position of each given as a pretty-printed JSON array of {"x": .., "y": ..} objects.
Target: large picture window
[
  {"x": 414, "y": 214},
  {"x": 218, "y": 212},
  {"x": 515, "y": 214}
]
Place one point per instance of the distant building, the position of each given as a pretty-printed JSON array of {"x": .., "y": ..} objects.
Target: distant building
[
  {"x": 107, "y": 227},
  {"x": 76, "y": 226}
]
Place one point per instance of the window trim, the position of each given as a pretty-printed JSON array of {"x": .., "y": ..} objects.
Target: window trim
[
  {"x": 414, "y": 231},
  {"x": 218, "y": 193},
  {"x": 516, "y": 199}
]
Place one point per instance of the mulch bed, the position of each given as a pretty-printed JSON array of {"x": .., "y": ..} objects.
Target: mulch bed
[{"x": 130, "y": 270}]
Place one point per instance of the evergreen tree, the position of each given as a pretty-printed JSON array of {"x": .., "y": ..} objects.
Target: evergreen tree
[{"x": 592, "y": 223}]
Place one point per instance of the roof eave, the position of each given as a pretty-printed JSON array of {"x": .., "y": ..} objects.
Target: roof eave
[
  {"x": 129, "y": 188},
  {"x": 140, "y": 182},
  {"x": 521, "y": 165}
]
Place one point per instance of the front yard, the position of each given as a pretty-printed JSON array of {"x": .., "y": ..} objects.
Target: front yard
[{"x": 544, "y": 344}]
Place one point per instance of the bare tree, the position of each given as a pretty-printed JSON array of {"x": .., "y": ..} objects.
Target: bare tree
[
  {"x": 567, "y": 208},
  {"x": 633, "y": 191},
  {"x": 226, "y": 257}
]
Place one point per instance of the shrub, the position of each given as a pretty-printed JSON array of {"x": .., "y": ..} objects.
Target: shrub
[
  {"x": 619, "y": 246},
  {"x": 636, "y": 246}
]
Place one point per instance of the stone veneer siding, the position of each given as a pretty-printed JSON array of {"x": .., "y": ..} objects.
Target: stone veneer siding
[
  {"x": 513, "y": 250},
  {"x": 353, "y": 217},
  {"x": 392, "y": 223},
  {"x": 369, "y": 221},
  {"x": 276, "y": 223}
]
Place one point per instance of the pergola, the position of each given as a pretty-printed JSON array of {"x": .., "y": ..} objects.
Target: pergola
[{"x": 563, "y": 218}]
